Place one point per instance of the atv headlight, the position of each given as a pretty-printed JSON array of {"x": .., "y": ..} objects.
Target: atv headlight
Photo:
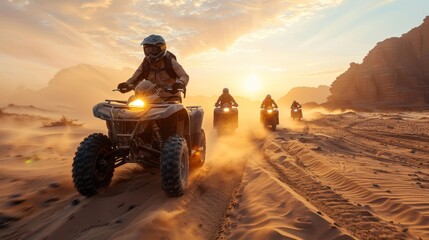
[
  {"x": 295, "y": 110},
  {"x": 270, "y": 111},
  {"x": 226, "y": 109},
  {"x": 138, "y": 103}
]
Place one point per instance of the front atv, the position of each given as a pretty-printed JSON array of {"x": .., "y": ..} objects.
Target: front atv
[{"x": 155, "y": 131}]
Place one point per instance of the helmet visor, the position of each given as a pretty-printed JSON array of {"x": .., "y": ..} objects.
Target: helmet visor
[{"x": 151, "y": 50}]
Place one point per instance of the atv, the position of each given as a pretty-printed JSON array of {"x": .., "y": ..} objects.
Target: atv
[
  {"x": 154, "y": 130},
  {"x": 225, "y": 119},
  {"x": 296, "y": 113},
  {"x": 270, "y": 117}
]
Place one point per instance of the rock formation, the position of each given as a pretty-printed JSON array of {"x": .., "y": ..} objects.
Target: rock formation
[
  {"x": 395, "y": 73},
  {"x": 305, "y": 94},
  {"x": 80, "y": 86}
]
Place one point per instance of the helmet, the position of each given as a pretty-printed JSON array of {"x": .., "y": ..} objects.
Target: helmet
[
  {"x": 225, "y": 90},
  {"x": 154, "y": 47},
  {"x": 268, "y": 96}
]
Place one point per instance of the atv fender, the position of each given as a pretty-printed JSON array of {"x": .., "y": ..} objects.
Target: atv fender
[
  {"x": 178, "y": 123},
  {"x": 164, "y": 111},
  {"x": 196, "y": 121}
]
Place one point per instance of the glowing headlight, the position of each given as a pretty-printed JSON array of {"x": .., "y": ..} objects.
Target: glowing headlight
[
  {"x": 269, "y": 110},
  {"x": 138, "y": 103},
  {"x": 295, "y": 110},
  {"x": 226, "y": 109}
]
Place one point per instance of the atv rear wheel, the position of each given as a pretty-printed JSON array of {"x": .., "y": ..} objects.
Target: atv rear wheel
[
  {"x": 92, "y": 168},
  {"x": 200, "y": 157},
  {"x": 174, "y": 166}
]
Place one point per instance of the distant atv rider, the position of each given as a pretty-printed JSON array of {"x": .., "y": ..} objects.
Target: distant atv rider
[
  {"x": 226, "y": 98},
  {"x": 295, "y": 105},
  {"x": 268, "y": 102},
  {"x": 159, "y": 67}
]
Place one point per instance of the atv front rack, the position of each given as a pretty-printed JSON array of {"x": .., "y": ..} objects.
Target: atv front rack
[
  {"x": 109, "y": 101},
  {"x": 123, "y": 130}
]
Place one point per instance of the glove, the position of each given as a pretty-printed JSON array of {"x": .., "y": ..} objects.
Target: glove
[
  {"x": 176, "y": 86},
  {"x": 124, "y": 87}
]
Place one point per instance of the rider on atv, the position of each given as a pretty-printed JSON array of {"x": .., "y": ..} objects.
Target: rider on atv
[
  {"x": 226, "y": 98},
  {"x": 159, "y": 67},
  {"x": 152, "y": 128},
  {"x": 268, "y": 106},
  {"x": 268, "y": 102},
  {"x": 225, "y": 117},
  {"x": 296, "y": 111},
  {"x": 295, "y": 105}
]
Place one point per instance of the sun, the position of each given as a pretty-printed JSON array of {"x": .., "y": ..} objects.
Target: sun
[{"x": 252, "y": 84}]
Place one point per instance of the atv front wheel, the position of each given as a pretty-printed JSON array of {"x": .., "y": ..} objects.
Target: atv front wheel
[
  {"x": 92, "y": 168},
  {"x": 174, "y": 166}
]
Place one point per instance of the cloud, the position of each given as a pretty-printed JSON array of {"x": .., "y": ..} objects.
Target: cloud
[
  {"x": 97, "y": 4},
  {"x": 40, "y": 37},
  {"x": 49, "y": 29}
]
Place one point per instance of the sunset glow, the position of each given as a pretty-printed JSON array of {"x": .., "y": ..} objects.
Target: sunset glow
[
  {"x": 252, "y": 84},
  {"x": 267, "y": 46}
]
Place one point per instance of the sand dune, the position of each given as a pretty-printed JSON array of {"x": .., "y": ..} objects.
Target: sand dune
[{"x": 337, "y": 175}]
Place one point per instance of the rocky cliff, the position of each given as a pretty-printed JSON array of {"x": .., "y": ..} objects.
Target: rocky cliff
[
  {"x": 304, "y": 95},
  {"x": 395, "y": 73}
]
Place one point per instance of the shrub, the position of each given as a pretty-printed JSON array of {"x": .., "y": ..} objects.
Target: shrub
[{"x": 63, "y": 122}]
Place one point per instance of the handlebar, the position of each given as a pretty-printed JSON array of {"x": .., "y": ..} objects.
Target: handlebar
[
  {"x": 169, "y": 90},
  {"x": 172, "y": 91},
  {"x": 228, "y": 106},
  {"x": 119, "y": 90}
]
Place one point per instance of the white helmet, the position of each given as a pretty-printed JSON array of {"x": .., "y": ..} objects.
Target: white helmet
[{"x": 154, "y": 47}]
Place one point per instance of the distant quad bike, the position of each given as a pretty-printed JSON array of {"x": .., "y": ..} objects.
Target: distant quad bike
[
  {"x": 296, "y": 114},
  {"x": 153, "y": 130},
  {"x": 225, "y": 119},
  {"x": 270, "y": 117}
]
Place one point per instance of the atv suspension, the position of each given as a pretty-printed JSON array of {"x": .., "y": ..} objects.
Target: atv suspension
[{"x": 157, "y": 134}]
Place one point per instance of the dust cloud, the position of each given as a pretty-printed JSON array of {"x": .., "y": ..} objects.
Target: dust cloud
[{"x": 230, "y": 150}]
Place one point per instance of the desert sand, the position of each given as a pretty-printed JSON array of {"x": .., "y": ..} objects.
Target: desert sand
[{"x": 335, "y": 175}]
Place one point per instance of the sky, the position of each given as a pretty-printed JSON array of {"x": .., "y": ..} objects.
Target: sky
[{"x": 253, "y": 47}]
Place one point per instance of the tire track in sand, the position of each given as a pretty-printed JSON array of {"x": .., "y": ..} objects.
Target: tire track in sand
[
  {"x": 373, "y": 138},
  {"x": 357, "y": 220}
]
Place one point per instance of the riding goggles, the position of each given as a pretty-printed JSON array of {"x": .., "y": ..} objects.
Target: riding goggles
[{"x": 152, "y": 50}]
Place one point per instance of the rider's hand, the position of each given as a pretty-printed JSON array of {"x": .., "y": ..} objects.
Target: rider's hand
[
  {"x": 176, "y": 86},
  {"x": 124, "y": 87}
]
